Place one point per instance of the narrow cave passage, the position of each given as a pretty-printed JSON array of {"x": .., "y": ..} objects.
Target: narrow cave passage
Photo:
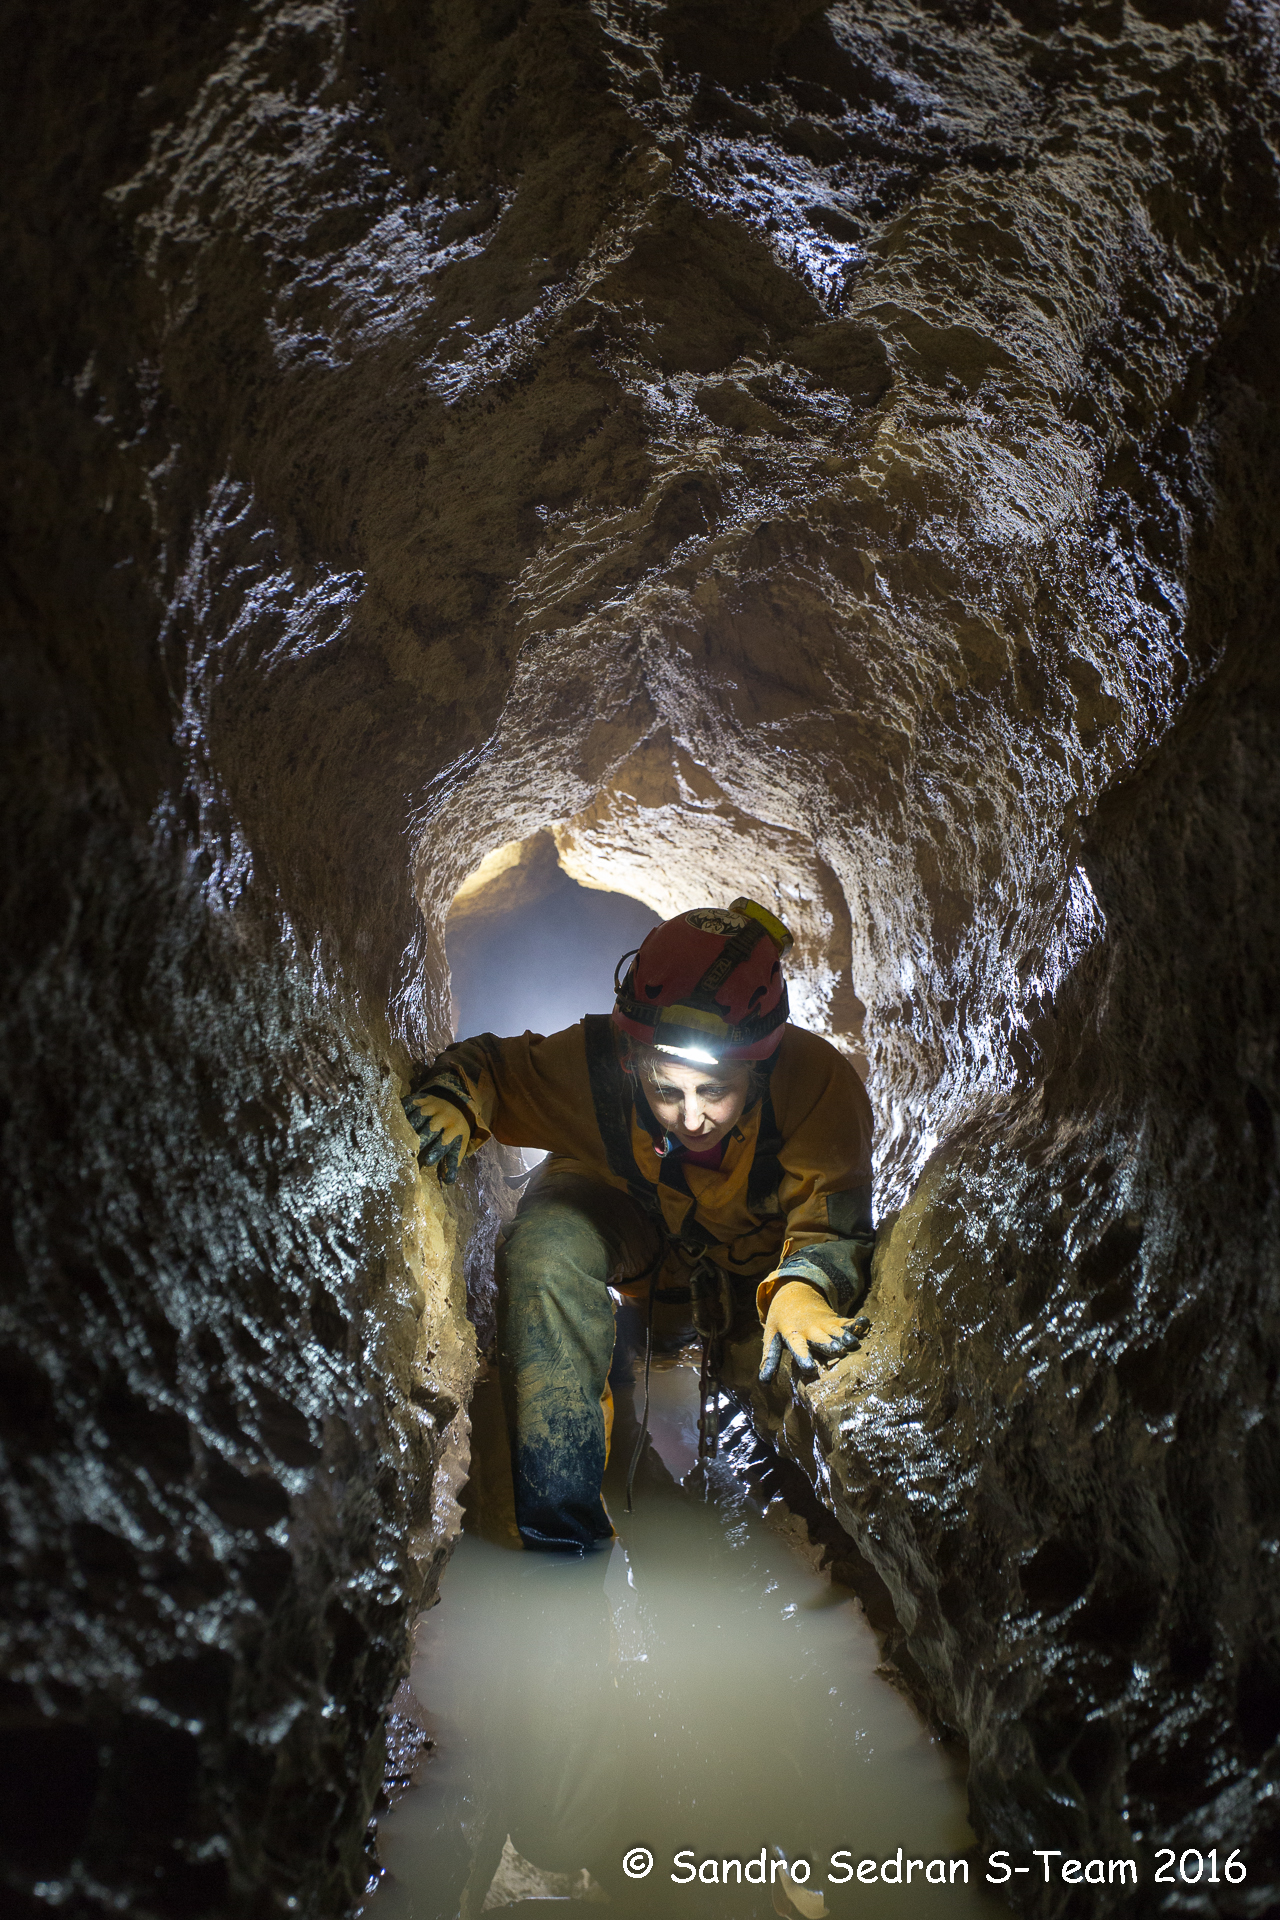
[
  {"x": 704, "y": 1688},
  {"x": 842, "y": 441}
]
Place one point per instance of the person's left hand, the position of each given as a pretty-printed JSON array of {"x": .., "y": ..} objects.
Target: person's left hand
[
  {"x": 443, "y": 1131},
  {"x": 800, "y": 1319}
]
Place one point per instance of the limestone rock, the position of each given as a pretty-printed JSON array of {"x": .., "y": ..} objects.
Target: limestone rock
[{"x": 832, "y": 443}]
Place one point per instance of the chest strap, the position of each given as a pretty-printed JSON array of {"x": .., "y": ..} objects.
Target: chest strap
[
  {"x": 610, "y": 1097},
  {"x": 765, "y": 1176}
]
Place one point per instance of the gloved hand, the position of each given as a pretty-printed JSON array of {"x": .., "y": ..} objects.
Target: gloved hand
[
  {"x": 443, "y": 1131},
  {"x": 800, "y": 1319}
]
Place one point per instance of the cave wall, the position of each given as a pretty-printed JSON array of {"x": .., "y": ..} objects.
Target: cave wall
[
  {"x": 233, "y": 1350},
  {"x": 1060, "y": 1449},
  {"x": 231, "y": 1378},
  {"x": 831, "y": 445}
]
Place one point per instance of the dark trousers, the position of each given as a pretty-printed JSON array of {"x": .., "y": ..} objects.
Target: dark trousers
[{"x": 571, "y": 1240}]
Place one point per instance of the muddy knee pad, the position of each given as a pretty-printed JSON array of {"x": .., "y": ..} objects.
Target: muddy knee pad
[{"x": 555, "y": 1341}]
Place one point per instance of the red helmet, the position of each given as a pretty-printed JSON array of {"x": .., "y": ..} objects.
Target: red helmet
[{"x": 708, "y": 985}]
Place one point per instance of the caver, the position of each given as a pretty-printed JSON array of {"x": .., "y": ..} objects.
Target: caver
[{"x": 704, "y": 1155}]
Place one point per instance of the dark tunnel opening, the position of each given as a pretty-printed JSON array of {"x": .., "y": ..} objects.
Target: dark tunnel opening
[{"x": 531, "y": 948}]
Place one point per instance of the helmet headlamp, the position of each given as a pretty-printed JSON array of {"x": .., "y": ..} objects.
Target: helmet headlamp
[{"x": 707, "y": 986}]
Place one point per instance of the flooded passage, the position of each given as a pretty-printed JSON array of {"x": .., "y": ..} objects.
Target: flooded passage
[{"x": 697, "y": 1691}]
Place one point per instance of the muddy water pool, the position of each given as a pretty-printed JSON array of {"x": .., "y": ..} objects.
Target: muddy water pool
[{"x": 697, "y": 1691}]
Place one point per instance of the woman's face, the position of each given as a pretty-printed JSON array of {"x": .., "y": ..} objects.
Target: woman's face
[{"x": 696, "y": 1105}]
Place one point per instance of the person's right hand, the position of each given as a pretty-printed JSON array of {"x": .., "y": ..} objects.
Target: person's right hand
[{"x": 443, "y": 1131}]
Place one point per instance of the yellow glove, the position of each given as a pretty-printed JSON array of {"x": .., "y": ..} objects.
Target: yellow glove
[
  {"x": 800, "y": 1319},
  {"x": 443, "y": 1130}
]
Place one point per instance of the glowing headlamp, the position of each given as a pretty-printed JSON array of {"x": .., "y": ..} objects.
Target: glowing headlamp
[{"x": 695, "y": 1054}]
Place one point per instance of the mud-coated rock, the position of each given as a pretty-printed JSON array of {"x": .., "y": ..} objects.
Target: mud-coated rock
[
  {"x": 1057, "y": 1446},
  {"x": 228, "y": 1309}
]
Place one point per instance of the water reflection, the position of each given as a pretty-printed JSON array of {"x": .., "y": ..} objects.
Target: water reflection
[{"x": 698, "y": 1689}]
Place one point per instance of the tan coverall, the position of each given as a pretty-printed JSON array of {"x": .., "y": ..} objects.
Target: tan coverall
[{"x": 791, "y": 1200}]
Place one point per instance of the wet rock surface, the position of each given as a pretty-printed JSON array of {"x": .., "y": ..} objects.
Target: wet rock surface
[
  {"x": 231, "y": 1379},
  {"x": 826, "y": 453},
  {"x": 1057, "y": 1445}
]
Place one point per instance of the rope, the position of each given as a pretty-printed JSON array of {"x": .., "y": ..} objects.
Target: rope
[{"x": 648, "y": 1355}]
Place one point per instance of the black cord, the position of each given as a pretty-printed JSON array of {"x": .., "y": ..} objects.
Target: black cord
[{"x": 648, "y": 1355}]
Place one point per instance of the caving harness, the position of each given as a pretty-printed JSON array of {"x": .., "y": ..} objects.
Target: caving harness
[
  {"x": 709, "y": 1288},
  {"x": 703, "y": 986}
]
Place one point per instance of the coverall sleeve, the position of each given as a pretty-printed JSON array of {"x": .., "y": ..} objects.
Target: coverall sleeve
[
  {"x": 824, "y": 1117},
  {"x": 525, "y": 1091}
]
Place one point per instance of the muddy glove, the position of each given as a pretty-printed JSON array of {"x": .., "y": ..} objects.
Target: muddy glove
[
  {"x": 443, "y": 1130},
  {"x": 800, "y": 1319}
]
